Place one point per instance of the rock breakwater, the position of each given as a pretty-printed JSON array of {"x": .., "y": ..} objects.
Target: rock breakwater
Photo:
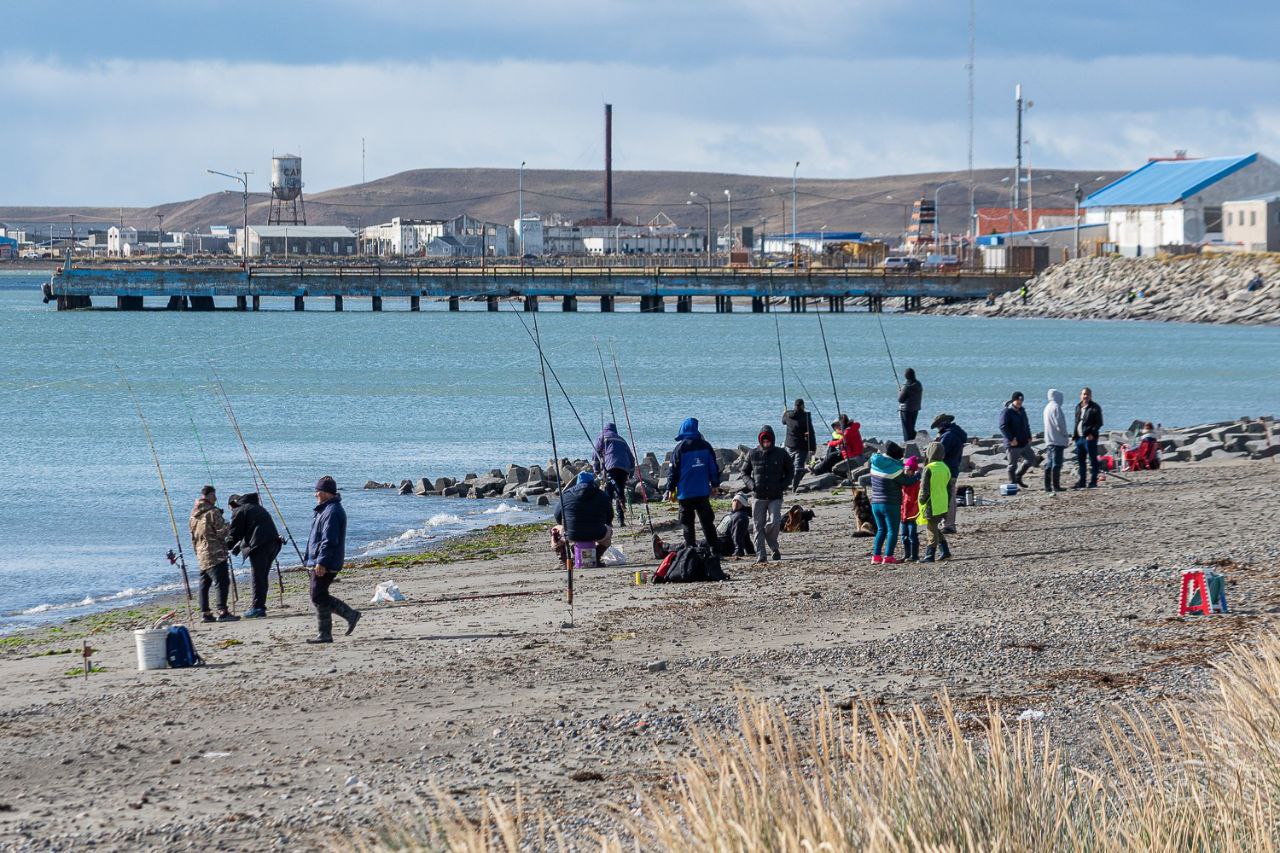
[{"x": 1184, "y": 288}]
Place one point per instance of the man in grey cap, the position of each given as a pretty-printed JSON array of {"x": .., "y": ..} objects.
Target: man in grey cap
[{"x": 326, "y": 547}]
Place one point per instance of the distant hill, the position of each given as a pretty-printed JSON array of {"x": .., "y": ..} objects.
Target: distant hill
[{"x": 879, "y": 205}]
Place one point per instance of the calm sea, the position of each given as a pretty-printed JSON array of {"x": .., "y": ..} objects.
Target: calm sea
[{"x": 398, "y": 395}]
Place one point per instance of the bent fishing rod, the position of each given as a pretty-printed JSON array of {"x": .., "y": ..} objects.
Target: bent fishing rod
[
  {"x": 777, "y": 331},
  {"x": 812, "y": 399},
  {"x": 605, "y": 377},
  {"x": 635, "y": 452},
  {"x": 180, "y": 559},
  {"x": 258, "y": 477},
  {"x": 889, "y": 351},
  {"x": 543, "y": 358},
  {"x": 822, "y": 330},
  {"x": 555, "y": 450}
]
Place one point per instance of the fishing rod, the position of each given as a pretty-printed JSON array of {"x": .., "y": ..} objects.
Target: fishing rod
[
  {"x": 555, "y": 451},
  {"x": 889, "y": 351},
  {"x": 258, "y": 478},
  {"x": 822, "y": 330},
  {"x": 560, "y": 384},
  {"x": 605, "y": 376},
  {"x": 778, "y": 333},
  {"x": 805, "y": 388},
  {"x": 635, "y": 455},
  {"x": 180, "y": 559}
]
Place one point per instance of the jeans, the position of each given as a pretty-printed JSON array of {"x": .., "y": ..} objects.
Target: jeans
[
  {"x": 908, "y": 425},
  {"x": 1053, "y": 466},
  {"x": 261, "y": 563},
  {"x": 1087, "y": 451},
  {"x": 706, "y": 516},
  {"x": 887, "y": 517},
  {"x": 326, "y": 604},
  {"x": 799, "y": 459},
  {"x": 220, "y": 575},
  {"x": 910, "y": 540},
  {"x": 766, "y": 519}
]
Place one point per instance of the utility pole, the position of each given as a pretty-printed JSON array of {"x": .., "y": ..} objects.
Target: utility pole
[
  {"x": 520, "y": 192},
  {"x": 72, "y": 250},
  {"x": 795, "y": 254},
  {"x": 707, "y": 208},
  {"x": 160, "y": 234},
  {"x": 969, "y": 68},
  {"x": 1078, "y": 196},
  {"x": 243, "y": 178},
  {"x": 728, "y": 257},
  {"x": 1017, "y": 170},
  {"x": 362, "y": 161}
]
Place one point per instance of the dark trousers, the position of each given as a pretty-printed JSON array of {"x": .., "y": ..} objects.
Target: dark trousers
[
  {"x": 908, "y": 424},
  {"x": 799, "y": 459},
  {"x": 700, "y": 507},
  {"x": 910, "y": 540},
  {"x": 828, "y": 462},
  {"x": 1053, "y": 467},
  {"x": 1087, "y": 451},
  {"x": 261, "y": 564},
  {"x": 220, "y": 575},
  {"x": 618, "y": 485},
  {"x": 326, "y": 604}
]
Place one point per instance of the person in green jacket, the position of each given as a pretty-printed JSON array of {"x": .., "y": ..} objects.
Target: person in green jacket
[{"x": 934, "y": 502}]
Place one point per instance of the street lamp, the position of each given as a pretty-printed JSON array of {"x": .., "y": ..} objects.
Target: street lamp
[
  {"x": 729, "y": 251},
  {"x": 160, "y": 234},
  {"x": 936, "y": 215},
  {"x": 761, "y": 252},
  {"x": 707, "y": 208},
  {"x": 794, "y": 173},
  {"x": 521, "y": 192},
  {"x": 822, "y": 240},
  {"x": 244, "y": 184}
]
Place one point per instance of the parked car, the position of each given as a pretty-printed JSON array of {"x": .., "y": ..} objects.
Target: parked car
[{"x": 901, "y": 264}]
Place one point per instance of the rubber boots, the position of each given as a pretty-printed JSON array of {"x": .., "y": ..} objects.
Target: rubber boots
[
  {"x": 945, "y": 552},
  {"x": 929, "y": 554},
  {"x": 1048, "y": 479}
]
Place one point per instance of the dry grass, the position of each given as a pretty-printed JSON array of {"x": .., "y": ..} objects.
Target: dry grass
[{"x": 1182, "y": 778}]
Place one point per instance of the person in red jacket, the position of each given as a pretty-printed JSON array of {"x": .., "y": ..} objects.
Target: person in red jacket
[
  {"x": 911, "y": 509},
  {"x": 852, "y": 439}
]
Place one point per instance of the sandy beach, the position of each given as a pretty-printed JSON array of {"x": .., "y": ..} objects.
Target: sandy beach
[{"x": 1063, "y": 605}]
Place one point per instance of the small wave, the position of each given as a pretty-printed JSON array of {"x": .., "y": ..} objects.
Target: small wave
[
  {"x": 502, "y": 507},
  {"x": 442, "y": 518},
  {"x": 89, "y": 600}
]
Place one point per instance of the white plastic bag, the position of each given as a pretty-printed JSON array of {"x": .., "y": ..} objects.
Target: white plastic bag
[
  {"x": 387, "y": 592},
  {"x": 613, "y": 557}
]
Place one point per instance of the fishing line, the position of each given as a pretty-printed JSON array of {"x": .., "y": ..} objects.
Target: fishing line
[
  {"x": 635, "y": 451},
  {"x": 812, "y": 399},
  {"x": 542, "y": 357},
  {"x": 889, "y": 351},
  {"x": 555, "y": 452},
  {"x": 832, "y": 373},
  {"x": 181, "y": 558},
  {"x": 605, "y": 376},
  {"x": 778, "y": 332}
]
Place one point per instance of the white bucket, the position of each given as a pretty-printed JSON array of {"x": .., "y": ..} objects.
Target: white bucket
[{"x": 152, "y": 651}]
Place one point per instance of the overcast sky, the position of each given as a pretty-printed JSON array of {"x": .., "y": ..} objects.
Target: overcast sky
[{"x": 128, "y": 102}]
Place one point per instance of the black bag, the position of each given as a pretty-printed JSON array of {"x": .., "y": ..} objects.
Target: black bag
[{"x": 693, "y": 565}]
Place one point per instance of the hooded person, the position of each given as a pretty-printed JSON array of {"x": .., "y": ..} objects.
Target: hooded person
[
  {"x": 614, "y": 459},
  {"x": 325, "y": 554},
  {"x": 694, "y": 477},
  {"x": 208, "y": 533},
  {"x": 1056, "y": 439},
  {"x": 1015, "y": 426},
  {"x": 801, "y": 441},
  {"x": 911, "y": 508},
  {"x": 910, "y": 397},
  {"x": 887, "y": 478},
  {"x": 584, "y": 515},
  {"x": 734, "y": 531},
  {"x": 952, "y": 438},
  {"x": 936, "y": 494},
  {"x": 253, "y": 534},
  {"x": 767, "y": 472}
]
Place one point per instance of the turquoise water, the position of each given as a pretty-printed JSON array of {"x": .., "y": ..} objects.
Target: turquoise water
[{"x": 395, "y": 395}]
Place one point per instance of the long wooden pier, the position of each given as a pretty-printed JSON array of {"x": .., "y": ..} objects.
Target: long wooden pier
[{"x": 127, "y": 287}]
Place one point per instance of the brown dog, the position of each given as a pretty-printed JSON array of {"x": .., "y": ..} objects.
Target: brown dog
[{"x": 864, "y": 522}]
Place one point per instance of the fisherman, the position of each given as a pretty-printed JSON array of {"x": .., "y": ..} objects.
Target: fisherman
[
  {"x": 613, "y": 458},
  {"x": 766, "y": 473},
  {"x": 694, "y": 479},
  {"x": 326, "y": 547},
  {"x": 910, "y": 396},
  {"x": 253, "y": 534},
  {"x": 937, "y": 494},
  {"x": 952, "y": 438},
  {"x": 1055, "y": 439},
  {"x": 1016, "y": 429},
  {"x": 208, "y": 529},
  {"x": 584, "y": 515},
  {"x": 1088, "y": 426},
  {"x": 801, "y": 441}
]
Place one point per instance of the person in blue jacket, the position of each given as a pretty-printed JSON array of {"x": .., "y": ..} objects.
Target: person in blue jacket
[
  {"x": 613, "y": 458},
  {"x": 694, "y": 478},
  {"x": 326, "y": 550},
  {"x": 1016, "y": 429}
]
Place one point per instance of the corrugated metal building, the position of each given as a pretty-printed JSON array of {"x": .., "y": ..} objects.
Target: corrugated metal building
[{"x": 277, "y": 241}]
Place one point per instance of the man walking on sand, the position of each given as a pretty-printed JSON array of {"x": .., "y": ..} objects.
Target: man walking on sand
[
  {"x": 1085, "y": 435},
  {"x": 767, "y": 473},
  {"x": 326, "y": 550},
  {"x": 1016, "y": 429},
  {"x": 208, "y": 530},
  {"x": 800, "y": 441}
]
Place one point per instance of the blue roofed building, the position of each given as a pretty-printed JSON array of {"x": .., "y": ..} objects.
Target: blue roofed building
[{"x": 1176, "y": 202}]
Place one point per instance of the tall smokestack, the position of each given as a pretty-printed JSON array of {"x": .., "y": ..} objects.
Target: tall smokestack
[{"x": 608, "y": 162}]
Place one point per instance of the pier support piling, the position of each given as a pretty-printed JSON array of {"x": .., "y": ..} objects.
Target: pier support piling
[
  {"x": 129, "y": 303},
  {"x": 606, "y": 304},
  {"x": 798, "y": 304},
  {"x": 757, "y": 305},
  {"x": 415, "y": 302},
  {"x": 337, "y": 303},
  {"x": 568, "y": 302},
  {"x": 491, "y": 302},
  {"x": 201, "y": 303},
  {"x": 684, "y": 304},
  {"x": 724, "y": 304},
  {"x": 454, "y": 304},
  {"x": 257, "y": 302},
  {"x": 531, "y": 303},
  {"x": 242, "y": 303},
  {"x": 177, "y": 303},
  {"x": 377, "y": 303}
]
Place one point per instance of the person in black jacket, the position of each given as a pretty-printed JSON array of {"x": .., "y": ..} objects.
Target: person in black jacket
[
  {"x": 767, "y": 473},
  {"x": 585, "y": 515},
  {"x": 1016, "y": 429},
  {"x": 735, "y": 530},
  {"x": 801, "y": 441},
  {"x": 910, "y": 396},
  {"x": 1085, "y": 435},
  {"x": 253, "y": 534}
]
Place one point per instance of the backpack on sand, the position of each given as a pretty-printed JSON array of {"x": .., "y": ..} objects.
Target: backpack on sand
[
  {"x": 179, "y": 649},
  {"x": 690, "y": 565}
]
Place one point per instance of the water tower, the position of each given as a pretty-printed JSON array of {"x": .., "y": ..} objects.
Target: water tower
[{"x": 286, "y": 191}]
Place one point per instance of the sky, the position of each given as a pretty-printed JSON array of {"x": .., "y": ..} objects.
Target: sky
[{"x": 129, "y": 102}]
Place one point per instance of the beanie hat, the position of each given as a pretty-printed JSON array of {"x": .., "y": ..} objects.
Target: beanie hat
[
  {"x": 208, "y": 490},
  {"x": 233, "y": 501},
  {"x": 1017, "y": 395},
  {"x": 912, "y": 463},
  {"x": 327, "y": 484},
  {"x": 585, "y": 478},
  {"x": 742, "y": 498}
]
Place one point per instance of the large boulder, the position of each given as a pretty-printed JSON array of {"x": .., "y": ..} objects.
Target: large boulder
[
  {"x": 423, "y": 486},
  {"x": 487, "y": 487},
  {"x": 649, "y": 465},
  {"x": 374, "y": 484},
  {"x": 406, "y": 487},
  {"x": 725, "y": 457},
  {"x": 818, "y": 482},
  {"x": 441, "y": 484},
  {"x": 1202, "y": 448},
  {"x": 536, "y": 475},
  {"x": 517, "y": 474},
  {"x": 1261, "y": 449}
]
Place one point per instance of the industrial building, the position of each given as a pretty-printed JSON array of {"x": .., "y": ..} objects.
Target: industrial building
[
  {"x": 400, "y": 236},
  {"x": 1174, "y": 203},
  {"x": 8, "y": 248},
  {"x": 280, "y": 241},
  {"x": 1252, "y": 224},
  {"x": 807, "y": 241}
]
